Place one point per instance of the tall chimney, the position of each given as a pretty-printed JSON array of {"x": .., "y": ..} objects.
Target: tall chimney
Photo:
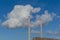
[
  {"x": 41, "y": 28},
  {"x": 28, "y": 27}
]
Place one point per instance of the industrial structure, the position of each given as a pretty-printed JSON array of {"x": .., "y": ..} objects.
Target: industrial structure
[
  {"x": 28, "y": 27},
  {"x": 41, "y": 28},
  {"x": 37, "y": 38}
]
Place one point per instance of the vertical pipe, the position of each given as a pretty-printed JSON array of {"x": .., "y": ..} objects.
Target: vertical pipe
[
  {"x": 41, "y": 28},
  {"x": 28, "y": 27}
]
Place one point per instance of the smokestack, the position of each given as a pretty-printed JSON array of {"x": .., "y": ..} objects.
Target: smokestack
[
  {"x": 41, "y": 28},
  {"x": 28, "y": 27}
]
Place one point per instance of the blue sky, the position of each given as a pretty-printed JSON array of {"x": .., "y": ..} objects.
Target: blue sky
[{"x": 6, "y": 6}]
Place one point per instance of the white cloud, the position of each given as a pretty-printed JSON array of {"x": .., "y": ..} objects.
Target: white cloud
[
  {"x": 46, "y": 18},
  {"x": 47, "y": 32},
  {"x": 35, "y": 23},
  {"x": 19, "y": 15},
  {"x": 50, "y": 32},
  {"x": 53, "y": 33},
  {"x": 11, "y": 23},
  {"x": 34, "y": 31},
  {"x": 36, "y": 10},
  {"x": 57, "y": 33},
  {"x": 58, "y": 17},
  {"x": 53, "y": 14}
]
